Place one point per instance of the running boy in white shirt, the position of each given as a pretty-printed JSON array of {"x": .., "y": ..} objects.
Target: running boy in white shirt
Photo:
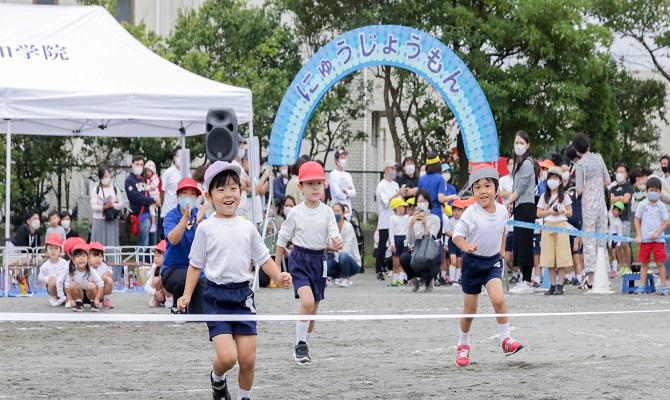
[
  {"x": 226, "y": 259},
  {"x": 312, "y": 229},
  {"x": 53, "y": 271},
  {"x": 398, "y": 238},
  {"x": 480, "y": 233}
]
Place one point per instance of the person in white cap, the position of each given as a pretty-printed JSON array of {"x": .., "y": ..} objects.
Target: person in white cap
[
  {"x": 342, "y": 188},
  {"x": 480, "y": 234}
]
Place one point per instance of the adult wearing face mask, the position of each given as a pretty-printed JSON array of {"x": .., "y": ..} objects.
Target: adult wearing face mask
[
  {"x": 408, "y": 180},
  {"x": 66, "y": 223},
  {"x": 451, "y": 192},
  {"x": 106, "y": 204},
  {"x": 28, "y": 234},
  {"x": 140, "y": 200},
  {"x": 434, "y": 184},
  {"x": 622, "y": 191},
  {"x": 522, "y": 203},
  {"x": 591, "y": 181},
  {"x": 565, "y": 175},
  {"x": 170, "y": 179},
  {"x": 344, "y": 264},
  {"x": 387, "y": 189},
  {"x": 342, "y": 188},
  {"x": 179, "y": 227},
  {"x": 279, "y": 184},
  {"x": 665, "y": 197}
]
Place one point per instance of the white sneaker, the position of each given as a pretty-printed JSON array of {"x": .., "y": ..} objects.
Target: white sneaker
[
  {"x": 344, "y": 283},
  {"x": 522, "y": 288},
  {"x": 53, "y": 301},
  {"x": 169, "y": 302},
  {"x": 61, "y": 301},
  {"x": 349, "y": 282},
  {"x": 338, "y": 282}
]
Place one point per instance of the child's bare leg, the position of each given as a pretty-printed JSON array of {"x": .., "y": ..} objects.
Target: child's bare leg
[
  {"x": 109, "y": 284},
  {"x": 561, "y": 275},
  {"x": 307, "y": 307},
  {"x": 643, "y": 274},
  {"x": 226, "y": 354},
  {"x": 312, "y": 323},
  {"x": 91, "y": 290},
  {"x": 470, "y": 302},
  {"x": 246, "y": 356},
  {"x": 159, "y": 296},
  {"x": 552, "y": 277},
  {"x": 74, "y": 292},
  {"x": 496, "y": 294},
  {"x": 396, "y": 264},
  {"x": 661, "y": 273},
  {"x": 51, "y": 287}
]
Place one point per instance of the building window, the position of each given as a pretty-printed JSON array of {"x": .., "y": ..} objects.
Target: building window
[
  {"x": 46, "y": 2},
  {"x": 124, "y": 11}
]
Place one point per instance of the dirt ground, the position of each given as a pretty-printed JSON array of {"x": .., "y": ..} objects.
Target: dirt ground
[{"x": 612, "y": 357}]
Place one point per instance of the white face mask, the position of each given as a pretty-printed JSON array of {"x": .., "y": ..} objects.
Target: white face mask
[
  {"x": 287, "y": 209},
  {"x": 342, "y": 162},
  {"x": 620, "y": 177},
  {"x": 105, "y": 181},
  {"x": 565, "y": 175},
  {"x": 35, "y": 224},
  {"x": 446, "y": 176},
  {"x": 241, "y": 153},
  {"x": 519, "y": 149},
  {"x": 422, "y": 205},
  {"x": 65, "y": 224},
  {"x": 138, "y": 170},
  {"x": 553, "y": 183},
  {"x": 422, "y": 173},
  {"x": 284, "y": 172},
  {"x": 410, "y": 169}
]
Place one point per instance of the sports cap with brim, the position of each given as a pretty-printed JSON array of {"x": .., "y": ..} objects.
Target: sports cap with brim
[
  {"x": 458, "y": 203},
  {"x": 311, "y": 171},
  {"x": 218, "y": 167},
  {"x": 397, "y": 202},
  {"x": 161, "y": 246},
  {"x": 554, "y": 170},
  {"x": 482, "y": 172},
  {"x": 620, "y": 205},
  {"x": 54, "y": 240},
  {"x": 188, "y": 183},
  {"x": 96, "y": 246},
  {"x": 411, "y": 201},
  {"x": 80, "y": 246},
  {"x": 71, "y": 242}
]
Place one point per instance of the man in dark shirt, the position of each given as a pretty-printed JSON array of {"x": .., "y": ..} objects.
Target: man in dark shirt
[
  {"x": 623, "y": 191},
  {"x": 408, "y": 180}
]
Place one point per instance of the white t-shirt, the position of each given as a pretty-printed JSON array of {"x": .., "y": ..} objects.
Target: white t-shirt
[
  {"x": 507, "y": 184},
  {"x": 615, "y": 225},
  {"x": 170, "y": 180},
  {"x": 309, "y": 228},
  {"x": 450, "y": 226},
  {"x": 384, "y": 193},
  {"x": 102, "y": 269},
  {"x": 651, "y": 217},
  {"x": 83, "y": 278},
  {"x": 341, "y": 181},
  {"x": 57, "y": 270},
  {"x": 225, "y": 247},
  {"x": 485, "y": 229},
  {"x": 553, "y": 200},
  {"x": 398, "y": 226},
  {"x": 350, "y": 242}
]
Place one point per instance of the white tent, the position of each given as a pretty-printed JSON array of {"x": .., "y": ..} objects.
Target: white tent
[{"x": 74, "y": 71}]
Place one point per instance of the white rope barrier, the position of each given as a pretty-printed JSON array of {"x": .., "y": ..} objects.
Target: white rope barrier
[{"x": 103, "y": 317}]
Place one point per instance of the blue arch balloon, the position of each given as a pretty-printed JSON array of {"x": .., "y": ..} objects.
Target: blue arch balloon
[{"x": 397, "y": 46}]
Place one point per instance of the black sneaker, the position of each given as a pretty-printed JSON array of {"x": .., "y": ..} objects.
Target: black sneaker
[
  {"x": 94, "y": 308},
  {"x": 575, "y": 281},
  {"x": 551, "y": 290},
  {"x": 559, "y": 291},
  {"x": 514, "y": 279},
  {"x": 301, "y": 355},
  {"x": 219, "y": 389},
  {"x": 78, "y": 306},
  {"x": 380, "y": 276}
]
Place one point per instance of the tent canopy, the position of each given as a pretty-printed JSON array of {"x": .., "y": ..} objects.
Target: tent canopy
[{"x": 74, "y": 70}]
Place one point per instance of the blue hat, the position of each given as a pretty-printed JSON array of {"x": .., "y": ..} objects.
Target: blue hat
[{"x": 446, "y": 168}]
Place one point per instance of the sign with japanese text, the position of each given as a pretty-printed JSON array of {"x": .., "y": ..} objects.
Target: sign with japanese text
[
  {"x": 46, "y": 52},
  {"x": 396, "y": 46}
]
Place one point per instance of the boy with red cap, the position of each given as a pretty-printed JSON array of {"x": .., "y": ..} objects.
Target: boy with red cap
[
  {"x": 313, "y": 230},
  {"x": 96, "y": 255},
  {"x": 53, "y": 271},
  {"x": 153, "y": 285},
  {"x": 480, "y": 234}
]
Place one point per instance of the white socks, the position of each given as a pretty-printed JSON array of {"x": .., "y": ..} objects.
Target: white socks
[
  {"x": 169, "y": 302},
  {"x": 395, "y": 277},
  {"x": 301, "y": 331},
  {"x": 403, "y": 276},
  {"x": 452, "y": 273},
  {"x": 463, "y": 338},
  {"x": 217, "y": 378},
  {"x": 504, "y": 331},
  {"x": 241, "y": 393}
]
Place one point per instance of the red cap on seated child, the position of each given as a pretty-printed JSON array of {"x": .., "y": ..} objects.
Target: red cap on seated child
[
  {"x": 96, "y": 246},
  {"x": 80, "y": 246},
  {"x": 161, "y": 246},
  {"x": 70, "y": 242},
  {"x": 54, "y": 240}
]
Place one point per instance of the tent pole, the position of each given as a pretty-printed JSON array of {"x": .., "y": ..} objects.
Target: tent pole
[
  {"x": 185, "y": 166},
  {"x": 8, "y": 188},
  {"x": 257, "y": 268}
]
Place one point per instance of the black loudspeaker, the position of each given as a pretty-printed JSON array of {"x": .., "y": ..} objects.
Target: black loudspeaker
[{"x": 221, "y": 134}]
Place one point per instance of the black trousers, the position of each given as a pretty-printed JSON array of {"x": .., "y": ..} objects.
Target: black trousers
[
  {"x": 381, "y": 249},
  {"x": 523, "y": 240},
  {"x": 174, "y": 281}
]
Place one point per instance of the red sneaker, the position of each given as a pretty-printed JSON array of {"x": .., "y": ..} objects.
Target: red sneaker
[
  {"x": 107, "y": 303},
  {"x": 463, "y": 355},
  {"x": 511, "y": 346}
]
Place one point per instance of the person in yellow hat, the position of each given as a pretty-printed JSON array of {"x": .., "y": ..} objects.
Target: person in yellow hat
[{"x": 398, "y": 234}]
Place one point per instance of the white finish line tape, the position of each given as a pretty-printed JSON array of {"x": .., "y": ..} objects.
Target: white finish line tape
[{"x": 68, "y": 317}]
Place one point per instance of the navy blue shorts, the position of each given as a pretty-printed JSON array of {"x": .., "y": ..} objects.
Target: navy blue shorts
[
  {"x": 509, "y": 242},
  {"x": 453, "y": 249},
  {"x": 537, "y": 238},
  {"x": 399, "y": 241},
  {"x": 306, "y": 268},
  {"x": 580, "y": 250},
  {"x": 478, "y": 271},
  {"x": 230, "y": 298}
]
